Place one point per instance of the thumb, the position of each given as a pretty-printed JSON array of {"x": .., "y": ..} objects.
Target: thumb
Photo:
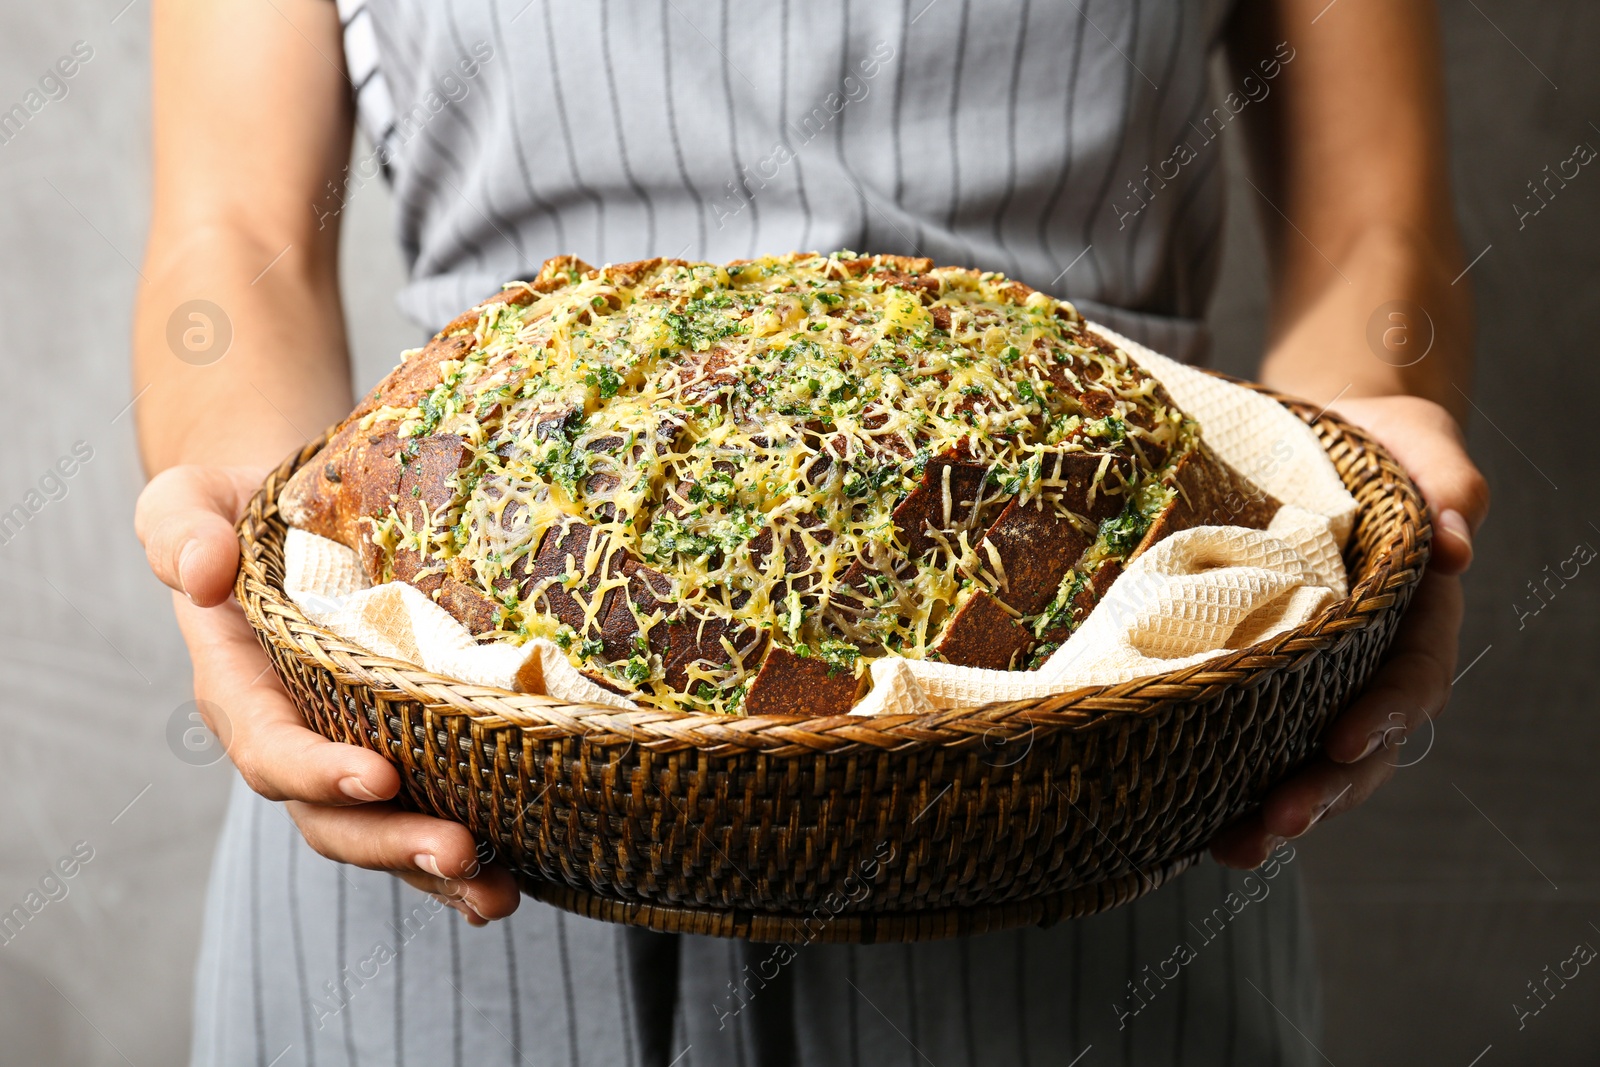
[
  {"x": 185, "y": 519},
  {"x": 1428, "y": 443}
]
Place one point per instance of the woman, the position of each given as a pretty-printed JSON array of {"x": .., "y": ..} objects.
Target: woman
[{"x": 1074, "y": 147}]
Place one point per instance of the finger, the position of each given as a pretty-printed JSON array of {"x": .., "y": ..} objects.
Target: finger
[
  {"x": 265, "y": 735},
  {"x": 1413, "y": 683},
  {"x": 432, "y": 854},
  {"x": 440, "y": 890},
  {"x": 1244, "y": 844},
  {"x": 185, "y": 518},
  {"x": 1313, "y": 794},
  {"x": 1456, "y": 494},
  {"x": 435, "y": 888},
  {"x": 1320, "y": 791}
]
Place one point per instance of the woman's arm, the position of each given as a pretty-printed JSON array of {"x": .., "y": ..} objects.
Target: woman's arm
[
  {"x": 1348, "y": 155},
  {"x": 1348, "y": 152},
  {"x": 252, "y": 120}
]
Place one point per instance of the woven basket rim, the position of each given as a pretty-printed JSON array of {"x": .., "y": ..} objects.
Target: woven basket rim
[{"x": 661, "y": 729}]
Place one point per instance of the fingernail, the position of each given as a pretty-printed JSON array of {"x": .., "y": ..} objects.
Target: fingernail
[
  {"x": 1316, "y": 816},
  {"x": 189, "y": 548},
  {"x": 1372, "y": 745},
  {"x": 462, "y": 908},
  {"x": 426, "y": 862},
  {"x": 1454, "y": 524},
  {"x": 355, "y": 790}
]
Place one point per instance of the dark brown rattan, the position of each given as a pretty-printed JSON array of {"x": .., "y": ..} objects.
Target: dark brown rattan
[{"x": 888, "y": 828}]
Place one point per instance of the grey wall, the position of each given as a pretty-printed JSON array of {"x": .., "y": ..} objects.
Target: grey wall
[
  {"x": 1434, "y": 905},
  {"x": 90, "y": 662},
  {"x": 92, "y": 670}
]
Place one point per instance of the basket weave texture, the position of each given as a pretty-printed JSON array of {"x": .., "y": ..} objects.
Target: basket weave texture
[{"x": 849, "y": 828}]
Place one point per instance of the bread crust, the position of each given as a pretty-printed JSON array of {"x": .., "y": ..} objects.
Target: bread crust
[
  {"x": 1210, "y": 493},
  {"x": 788, "y": 684},
  {"x": 984, "y": 634}
]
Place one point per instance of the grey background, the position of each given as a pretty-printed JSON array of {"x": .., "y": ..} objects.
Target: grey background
[{"x": 1434, "y": 905}]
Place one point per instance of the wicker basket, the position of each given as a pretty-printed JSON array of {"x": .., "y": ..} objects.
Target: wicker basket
[{"x": 891, "y": 828}]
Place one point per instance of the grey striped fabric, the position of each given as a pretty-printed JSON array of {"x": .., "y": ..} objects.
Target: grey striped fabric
[
  {"x": 1016, "y": 135},
  {"x": 1019, "y": 135},
  {"x": 307, "y": 962}
]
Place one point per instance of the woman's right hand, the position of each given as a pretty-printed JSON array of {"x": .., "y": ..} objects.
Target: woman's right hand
[{"x": 339, "y": 795}]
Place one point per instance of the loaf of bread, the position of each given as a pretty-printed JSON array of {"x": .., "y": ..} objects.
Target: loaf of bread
[{"x": 730, "y": 488}]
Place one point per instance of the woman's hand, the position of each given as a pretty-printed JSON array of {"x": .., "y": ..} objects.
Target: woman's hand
[
  {"x": 1413, "y": 684},
  {"x": 339, "y": 795},
  {"x": 252, "y": 118}
]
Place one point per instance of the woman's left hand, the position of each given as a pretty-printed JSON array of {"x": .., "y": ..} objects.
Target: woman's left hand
[{"x": 1413, "y": 684}]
